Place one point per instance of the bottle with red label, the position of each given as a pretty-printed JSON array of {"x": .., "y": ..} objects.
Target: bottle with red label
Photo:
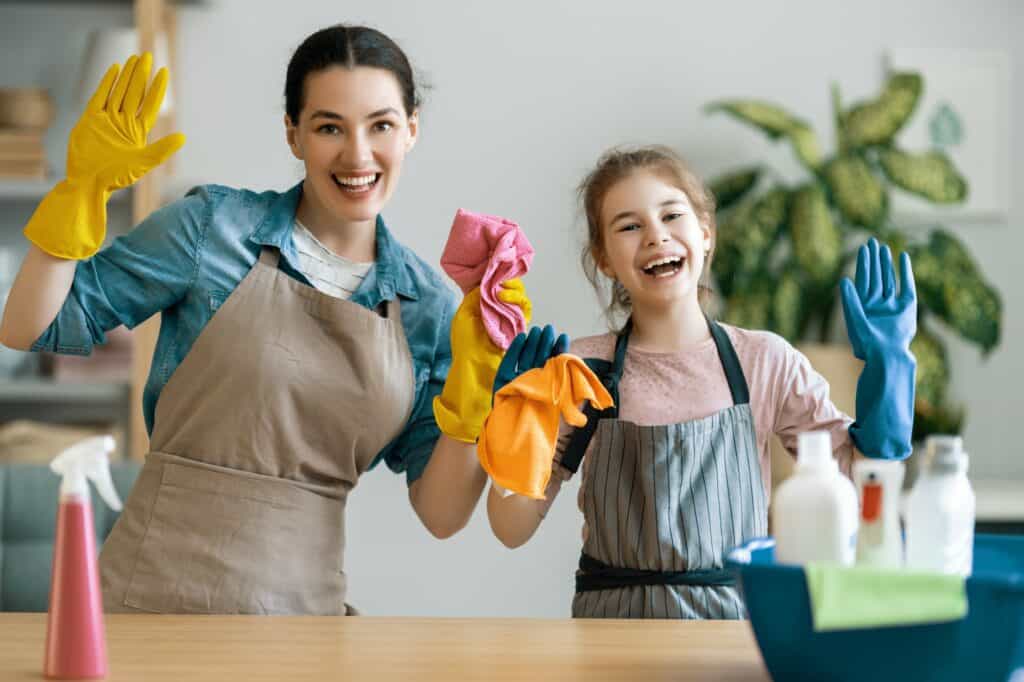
[{"x": 879, "y": 540}]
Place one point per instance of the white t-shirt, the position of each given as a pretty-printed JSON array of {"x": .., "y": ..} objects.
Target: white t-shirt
[{"x": 327, "y": 271}]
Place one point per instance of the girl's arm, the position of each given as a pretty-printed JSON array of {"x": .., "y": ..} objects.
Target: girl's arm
[
  {"x": 515, "y": 518},
  {"x": 803, "y": 404}
]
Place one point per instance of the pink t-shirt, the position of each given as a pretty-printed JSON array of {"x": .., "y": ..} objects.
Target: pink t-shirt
[{"x": 787, "y": 396}]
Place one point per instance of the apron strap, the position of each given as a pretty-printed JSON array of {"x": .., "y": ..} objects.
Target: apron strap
[
  {"x": 609, "y": 373},
  {"x": 597, "y": 575},
  {"x": 731, "y": 364}
]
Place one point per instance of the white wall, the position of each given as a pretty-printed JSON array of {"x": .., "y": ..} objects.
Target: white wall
[{"x": 525, "y": 96}]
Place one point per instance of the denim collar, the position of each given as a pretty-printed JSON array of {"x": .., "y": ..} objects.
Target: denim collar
[{"x": 388, "y": 277}]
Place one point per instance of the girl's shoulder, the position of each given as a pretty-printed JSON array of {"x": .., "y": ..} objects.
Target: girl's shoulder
[
  {"x": 599, "y": 346},
  {"x": 763, "y": 350},
  {"x": 757, "y": 341}
]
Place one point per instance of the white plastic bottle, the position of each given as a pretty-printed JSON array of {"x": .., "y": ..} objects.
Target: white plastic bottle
[
  {"x": 940, "y": 511},
  {"x": 814, "y": 516}
]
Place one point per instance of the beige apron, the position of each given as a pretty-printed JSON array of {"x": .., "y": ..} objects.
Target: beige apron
[{"x": 286, "y": 397}]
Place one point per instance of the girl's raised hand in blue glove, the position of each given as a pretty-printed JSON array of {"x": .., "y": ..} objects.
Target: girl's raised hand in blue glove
[
  {"x": 877, "y": 318},
  {"x": 881, "y": 323}
]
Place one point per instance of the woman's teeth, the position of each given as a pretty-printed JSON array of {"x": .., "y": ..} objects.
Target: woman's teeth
[{"x": 358, "y": 183}]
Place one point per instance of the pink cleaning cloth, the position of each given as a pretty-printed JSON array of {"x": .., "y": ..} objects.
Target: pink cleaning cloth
[{"x": 485, "y": 250}]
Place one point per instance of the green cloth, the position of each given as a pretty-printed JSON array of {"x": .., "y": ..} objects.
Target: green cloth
[{"x": 846, "y": 598}]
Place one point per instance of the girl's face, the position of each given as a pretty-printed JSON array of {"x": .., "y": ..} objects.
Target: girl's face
[
  {"x": 353, "y": 135},
  {"x": 654, "y": 244}
]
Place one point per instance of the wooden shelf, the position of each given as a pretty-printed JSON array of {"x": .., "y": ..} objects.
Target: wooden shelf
[
  {"x": 25, "y": 189},
  {"x": 42, "y": 391},
  {"x": 32, "y": 399}
]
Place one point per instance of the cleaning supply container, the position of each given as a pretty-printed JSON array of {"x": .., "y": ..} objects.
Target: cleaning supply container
[{"x": 985, "y": 646}]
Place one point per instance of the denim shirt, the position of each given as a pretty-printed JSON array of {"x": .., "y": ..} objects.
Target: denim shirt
[{"x": 185, "y": 259}]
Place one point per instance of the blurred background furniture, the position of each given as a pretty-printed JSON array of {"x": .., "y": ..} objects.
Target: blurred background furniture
[
  {"x": 28, "y": 516},
  {"x": 49, "y": 53}
]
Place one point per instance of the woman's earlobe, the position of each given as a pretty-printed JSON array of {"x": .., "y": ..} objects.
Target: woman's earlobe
[
  {"x": 291, "y": 136},
  {"x": 414, "y": 130}
]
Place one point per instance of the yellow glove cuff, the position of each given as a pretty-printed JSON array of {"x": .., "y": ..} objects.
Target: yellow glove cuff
[
  {"x": 70, "y": 222},
  {"x": 452, "y": 425}
]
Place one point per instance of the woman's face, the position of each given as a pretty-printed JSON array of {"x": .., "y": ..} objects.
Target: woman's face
[{"x": 352, "y": 135}]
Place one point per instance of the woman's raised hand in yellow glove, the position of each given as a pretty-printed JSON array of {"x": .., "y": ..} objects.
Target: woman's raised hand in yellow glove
[
  {"x": 107, "y": 151},
  {"x": 465, "y": 400}
]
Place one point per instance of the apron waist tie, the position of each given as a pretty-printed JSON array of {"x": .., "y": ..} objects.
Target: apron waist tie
[{"x": 598, "y": 575}]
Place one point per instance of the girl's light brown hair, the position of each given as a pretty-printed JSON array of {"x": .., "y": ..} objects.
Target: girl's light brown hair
[{"x": 613, "y": 167}]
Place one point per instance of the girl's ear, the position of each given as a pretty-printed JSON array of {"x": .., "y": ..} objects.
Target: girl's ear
[
  {"x": 707, "y": 236},
  {"x": 602, "y": 263}
]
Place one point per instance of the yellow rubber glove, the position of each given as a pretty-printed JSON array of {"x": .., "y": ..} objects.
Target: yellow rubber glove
[
  {"x": 107, "y": 151},
  {"x": 465, "y": 400}
]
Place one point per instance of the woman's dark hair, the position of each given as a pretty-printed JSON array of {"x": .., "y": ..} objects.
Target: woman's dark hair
[{"x": 348, "y": 47}]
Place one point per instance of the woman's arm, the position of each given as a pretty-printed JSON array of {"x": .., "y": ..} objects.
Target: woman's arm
[
  {"x": 39, "y": 290},
  {"x": 446, "y": 494},
  {"x": 107, "y": 150}
]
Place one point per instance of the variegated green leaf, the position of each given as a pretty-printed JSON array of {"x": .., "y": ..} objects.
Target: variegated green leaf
[
  {"x": 928, "y": 278},
  {"x": 966, "y": 302},
  {"x": 951, "y": 252},
  {"x": 775, "y": 122},
  {"x": 975, "y": 310},
  {"x": 876, "y": 121},
  {"x": 930, "y": 175},
  {"x": 788, "y": 305},
  {"x": 770, "y": 119},
  {"x": 750, "y": 310},
  {"x": 806, "y": 145},
  {"x": 932, "y": 375},
  {"x": 858, "y": 193},
  {"x": 745, "y": 238},
  {"x": 817, "y": 241},
  {"x": 731, "y": 187}
]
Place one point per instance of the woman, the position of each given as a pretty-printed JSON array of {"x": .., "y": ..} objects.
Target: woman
[{"x": 300, "y": 343}]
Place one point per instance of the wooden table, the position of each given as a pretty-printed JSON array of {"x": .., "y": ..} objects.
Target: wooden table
[{"x": 228, "y": 648}]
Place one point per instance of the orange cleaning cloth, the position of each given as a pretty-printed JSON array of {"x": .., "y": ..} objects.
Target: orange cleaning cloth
[{"x": 517, "y": 444}]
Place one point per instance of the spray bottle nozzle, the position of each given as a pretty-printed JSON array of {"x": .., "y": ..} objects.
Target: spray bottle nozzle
[{"x": 87, "y": 460}]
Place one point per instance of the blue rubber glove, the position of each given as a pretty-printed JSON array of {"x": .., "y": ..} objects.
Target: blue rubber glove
[
  {"x": 529, "y": 351},
  {"x": 881, "y": 324}
]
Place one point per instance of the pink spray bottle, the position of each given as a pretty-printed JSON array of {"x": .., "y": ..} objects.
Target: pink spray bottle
[{"x": 76, "y": 645}]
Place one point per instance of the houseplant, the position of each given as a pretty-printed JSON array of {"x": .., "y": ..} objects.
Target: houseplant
[{"x": 782, "y": 248}]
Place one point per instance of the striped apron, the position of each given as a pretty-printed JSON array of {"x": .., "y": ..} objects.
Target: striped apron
[{"x": 663, "y": 504}]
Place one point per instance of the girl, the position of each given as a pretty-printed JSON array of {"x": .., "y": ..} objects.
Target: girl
[
  {"x": 300, "y": 343},
  {"x": 677, "y": 473}
]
